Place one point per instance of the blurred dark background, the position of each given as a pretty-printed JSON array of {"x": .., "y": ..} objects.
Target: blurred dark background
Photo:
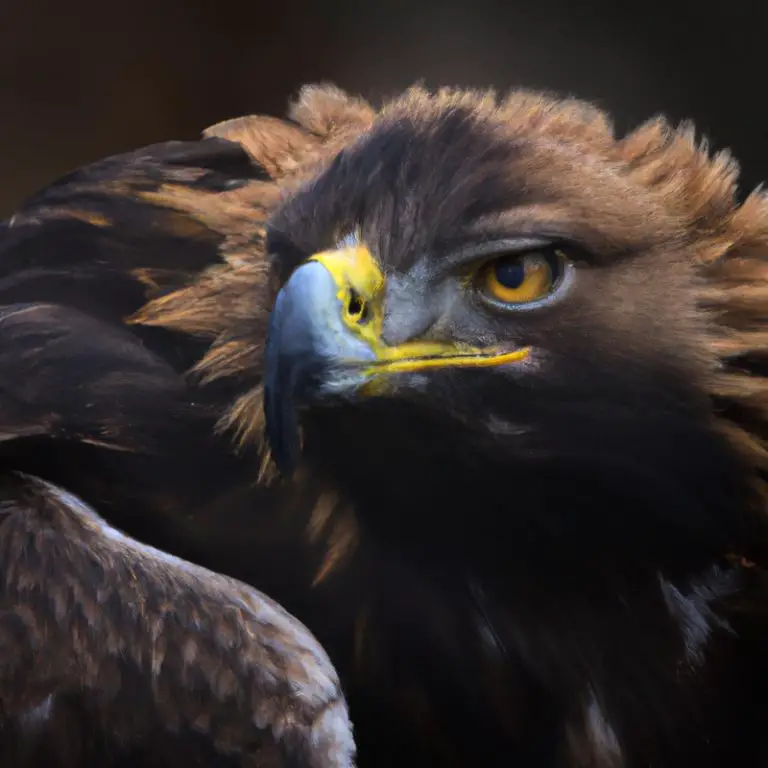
[{"x": 86, "y": 78}]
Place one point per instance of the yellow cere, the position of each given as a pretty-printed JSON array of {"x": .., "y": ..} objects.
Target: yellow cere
[
  {"x": 361, "y": 284},
  {"x": 536, "y": 281}
]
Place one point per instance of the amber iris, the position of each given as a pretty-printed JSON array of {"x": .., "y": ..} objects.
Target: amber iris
[{"x": 520, "y": 278}]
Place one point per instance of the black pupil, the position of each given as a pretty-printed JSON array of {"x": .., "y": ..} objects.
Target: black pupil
[{"x": 510, "y": 272}]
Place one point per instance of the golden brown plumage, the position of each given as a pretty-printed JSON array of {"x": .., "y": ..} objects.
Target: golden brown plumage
[{"x": 545, "y": 566}]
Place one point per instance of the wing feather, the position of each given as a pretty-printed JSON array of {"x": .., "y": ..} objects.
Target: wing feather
[
  {"x": 141, "y": 633},
  {"x": 116, "y": 281}
]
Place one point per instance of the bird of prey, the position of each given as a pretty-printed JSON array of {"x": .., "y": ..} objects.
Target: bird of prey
[{"x": 473, "y": 387}]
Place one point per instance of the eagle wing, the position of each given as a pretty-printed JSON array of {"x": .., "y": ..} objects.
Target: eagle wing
[
  {"x": 147, "y": 638},
  {"x": 104, "y": 437}
]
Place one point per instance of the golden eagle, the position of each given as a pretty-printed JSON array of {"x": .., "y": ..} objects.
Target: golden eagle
[{"x": 471, "y": 386}]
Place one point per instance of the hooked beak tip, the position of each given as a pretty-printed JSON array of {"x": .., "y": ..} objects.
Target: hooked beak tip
[{"x": 306, "y": 341}]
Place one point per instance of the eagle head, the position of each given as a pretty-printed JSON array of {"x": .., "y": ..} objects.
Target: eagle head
[{"x": 499, "y": 319}]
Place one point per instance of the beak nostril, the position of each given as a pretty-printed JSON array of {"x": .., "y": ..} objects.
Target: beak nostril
[{"x": 357, "y": 308}]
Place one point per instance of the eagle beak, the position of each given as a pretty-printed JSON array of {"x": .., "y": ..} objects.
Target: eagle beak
[
  {"x": 324, "y": 339},
  {"x": 308, "y": 343}
]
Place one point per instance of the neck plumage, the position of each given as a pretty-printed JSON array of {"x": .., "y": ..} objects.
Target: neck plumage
[{"x": 583, "y": 601}]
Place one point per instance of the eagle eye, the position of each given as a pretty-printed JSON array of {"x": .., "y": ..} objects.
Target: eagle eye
[{"x": 522, "y": 278}]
